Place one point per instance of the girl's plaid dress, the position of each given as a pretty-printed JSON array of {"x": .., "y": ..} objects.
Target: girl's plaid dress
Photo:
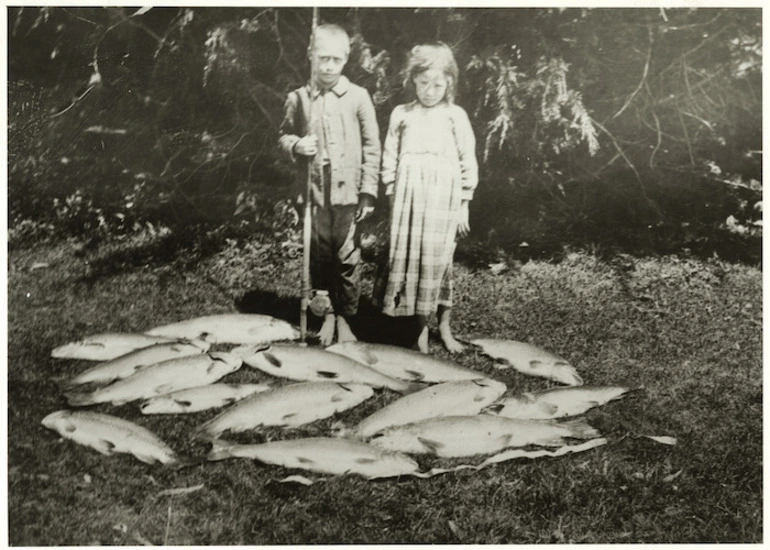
[{"x": 429, "y": 163}]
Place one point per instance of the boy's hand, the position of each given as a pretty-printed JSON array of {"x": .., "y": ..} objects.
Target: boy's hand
[
  {"x": 463, "y": 225},
  {"x": 306, "y": 146},
  {"x": 365, "y": 207}
]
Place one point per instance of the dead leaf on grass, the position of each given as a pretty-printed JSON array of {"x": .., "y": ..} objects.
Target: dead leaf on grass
[
  {"x": 302, "y": 480},
  {"x": 666, "y": 440},
  {"x": 456, "y": 531},
  {"x": 671, "y": 477},
  {"x": 138, "y": 537},
  {"x": 180, "y": 490}
]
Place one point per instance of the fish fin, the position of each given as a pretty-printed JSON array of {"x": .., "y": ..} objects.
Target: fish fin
[
  {"x": 505, "y": 440},
  {"x": 365, "y": 460},
  {"x": 479, "y": 397},
  {"x": 303, "y": 460},
  {"x": 70, "y": 427},
  {"x": 272, "y": 359},
  {"x": 548, "y": 408},
  {"x": 229, "y": 401},
  {"x": 371, "y": 359},
  {"x": 336, "y": 399},
  {"x": 327, "y": 374},
  {"x": 528, "y": 396},
  {"x": 344, "y": 387},
  {"x": 158, "y": 390},
  {"x": 494, "y": 408},
  {"x": 580, "y": 429},
  {"x": 432, "y": 446},
  {"x": 183, "y": 402},
  {"x": 415, "y": 375},
  {"x": 288, "y": 415},
  {"x": 535, "y": 364},
  {"x": 105, "y": 447}
]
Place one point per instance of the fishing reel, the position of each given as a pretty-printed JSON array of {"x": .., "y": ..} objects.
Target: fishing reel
[{"x": 320, "y": 302}]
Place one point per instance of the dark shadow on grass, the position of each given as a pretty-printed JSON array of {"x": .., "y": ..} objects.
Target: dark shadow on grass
[
  {"x": 182, "y": 249},
  {"x": 369, "y": 325}
]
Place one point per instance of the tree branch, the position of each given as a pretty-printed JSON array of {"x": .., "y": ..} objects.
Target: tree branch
[{"x": 643, "y": 81}]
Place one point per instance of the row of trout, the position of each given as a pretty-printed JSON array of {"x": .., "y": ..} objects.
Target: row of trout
[{"x": 446, "y": 410}]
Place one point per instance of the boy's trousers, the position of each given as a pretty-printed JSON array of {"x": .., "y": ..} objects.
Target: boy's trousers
[{"x": 335, "y": 253}]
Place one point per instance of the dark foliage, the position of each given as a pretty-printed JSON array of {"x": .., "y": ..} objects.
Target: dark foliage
[{"x": 632, "y": 129}]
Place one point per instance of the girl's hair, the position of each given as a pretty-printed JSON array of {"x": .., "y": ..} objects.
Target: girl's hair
[{"x": 431, "y": 56}]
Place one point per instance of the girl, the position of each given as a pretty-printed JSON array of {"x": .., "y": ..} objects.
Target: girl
[{"x": 429, "y": 171}]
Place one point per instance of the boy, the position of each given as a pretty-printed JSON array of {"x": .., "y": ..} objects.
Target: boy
[{"x": 343, "y": 149}]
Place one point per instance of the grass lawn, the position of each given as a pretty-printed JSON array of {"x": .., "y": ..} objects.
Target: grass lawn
[{"x": 688, "y": 330}]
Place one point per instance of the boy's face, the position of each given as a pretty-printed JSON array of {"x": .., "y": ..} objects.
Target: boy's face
[{"x": 332, "y": 54}]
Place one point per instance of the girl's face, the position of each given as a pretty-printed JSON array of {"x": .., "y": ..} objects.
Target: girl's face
[{"x": 430, "y": 86}]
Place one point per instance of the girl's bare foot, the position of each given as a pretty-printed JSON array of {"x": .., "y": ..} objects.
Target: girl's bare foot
[
  {"x": 422, "y": 340},
  {"x": 344, "y": 334},
  {"x": 450, "y": 343},
  {"x": 326, "y": 334}
]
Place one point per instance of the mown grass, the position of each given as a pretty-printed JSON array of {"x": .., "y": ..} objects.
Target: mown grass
[{"x": 688, "y": 331}]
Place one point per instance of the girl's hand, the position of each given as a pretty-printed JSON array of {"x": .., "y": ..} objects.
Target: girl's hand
[{"x": 463, "y": 225}]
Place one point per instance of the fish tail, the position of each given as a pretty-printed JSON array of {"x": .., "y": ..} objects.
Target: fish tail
[
  {"x": 220, "y": 450},
  {"x": 185, "y": 462},
  {"x": 579, "y": 428},
  {"x": 79, "y": 399},
  {"x": 203, "y": 433}
]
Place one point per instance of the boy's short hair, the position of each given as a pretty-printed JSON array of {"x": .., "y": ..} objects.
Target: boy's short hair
[
  {"x": 335, "y": 32},
  {"x": 431, "y": 56}
]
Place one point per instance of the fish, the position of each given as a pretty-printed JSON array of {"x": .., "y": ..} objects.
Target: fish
[
  {"x": 109, "y": 435},
  {"x": 324, "y": 455},
  {"x": 315, "y": 364},
  {"x": 107, "y": 346},
  {"x": 531, "y": 360},
  {"x": 459, "y": 398},
  {"x": 230, "y": 328},
  {"x": 201, "y": 398},
  {"x": 161, "y": 378},
  {"x": 292, "y": 405},
  {"x": 556, "y": 402},
  {"x": 126, "y": 365},
  {"x": 461, "y": 436},
  {"x": 406, "y": 364}
]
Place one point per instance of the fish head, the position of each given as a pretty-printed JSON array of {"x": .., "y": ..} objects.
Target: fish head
[
  {"x": 264, "y": 359},
  {"x": 281, "y": 330},
  {"x": 227, "y": 362},
  {"x": 489, "y": 388},
  {"x": 387, "y": 464},
  {"x": 160, "y": 404},
  {"x": 76, "y": 349},
  {"x": 249, "y": 349},
  {"x": 199, "y": 344},
  {"x": 566, "y": 374},
  {"x": 55, "y": 419},
  {"x": 357, "y": 392}
]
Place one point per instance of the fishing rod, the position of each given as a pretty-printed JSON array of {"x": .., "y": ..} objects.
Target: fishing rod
[{"x": 306, "y": 228}]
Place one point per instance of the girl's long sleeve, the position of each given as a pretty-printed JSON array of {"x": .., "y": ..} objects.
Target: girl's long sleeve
[
  {"x": 466, "y": 148},
  {"x": 390, "y": 152}
]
